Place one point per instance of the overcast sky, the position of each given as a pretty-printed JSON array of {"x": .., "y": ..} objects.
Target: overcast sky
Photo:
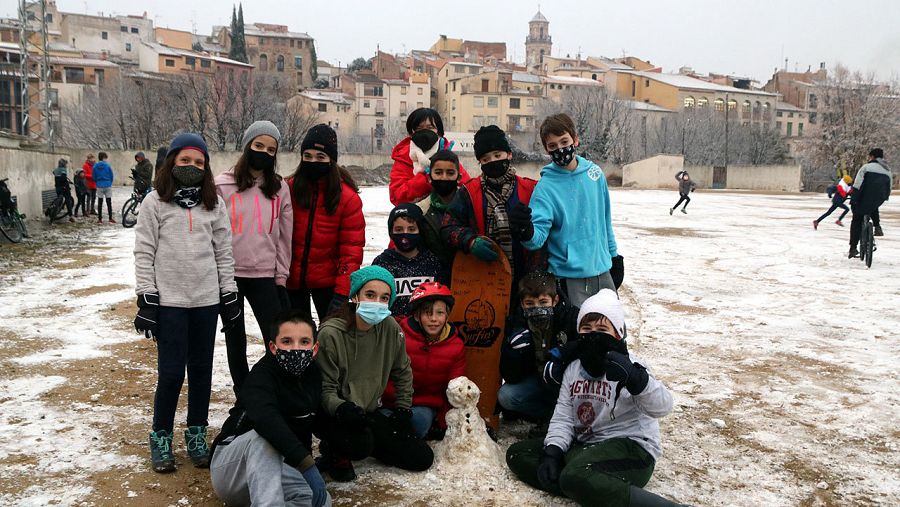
[{"x": 747, "y": 38}]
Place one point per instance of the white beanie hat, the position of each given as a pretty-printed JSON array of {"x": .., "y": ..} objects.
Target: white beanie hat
[{"x": 606, "y": 303}]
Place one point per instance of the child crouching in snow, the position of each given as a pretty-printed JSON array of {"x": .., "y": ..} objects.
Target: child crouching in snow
[
  {"x": 603, "y": 440},
  {"x": 262, "y": 456}
]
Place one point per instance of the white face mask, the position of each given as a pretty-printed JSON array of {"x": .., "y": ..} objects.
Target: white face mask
[{"x": 372, "y": 312}]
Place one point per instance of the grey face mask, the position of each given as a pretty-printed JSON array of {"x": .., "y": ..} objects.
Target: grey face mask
[{"x": 187, "y": 175}]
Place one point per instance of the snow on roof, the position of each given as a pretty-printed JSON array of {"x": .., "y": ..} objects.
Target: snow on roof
[
  {"x": 335, "y": 97},
  {"x": 785, "y": 106},
  {"x": 571, "y": 80},
  {"x": 691, "y": 83},
  {"x": 466, "y": 64},
  {"x": 253, "y": 30},
  {"x": 169, "y": 51},
  {"x": 646, "y": 106},
  {"x": 9, "y": 45},
  {"x": 523, "y": 77},
  {"x": 87, "y": 62}
]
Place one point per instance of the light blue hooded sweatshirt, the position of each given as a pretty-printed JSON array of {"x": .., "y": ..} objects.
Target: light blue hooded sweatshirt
[{"x": 570, "y": 211}]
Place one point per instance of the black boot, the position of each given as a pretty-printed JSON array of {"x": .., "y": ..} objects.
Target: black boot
[
  {"x": 642, "y": 498},
  {"x": 878, "y": 231},
  {"x": 853, "y": 252}
]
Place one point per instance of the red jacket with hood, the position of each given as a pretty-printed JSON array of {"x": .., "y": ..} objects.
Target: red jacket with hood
[
  {"x": 327, "y": 248},
  {"x": 404, "y": 185},
  {"x": 89, "y": 175},
  {"x": 433, "y": 365}
]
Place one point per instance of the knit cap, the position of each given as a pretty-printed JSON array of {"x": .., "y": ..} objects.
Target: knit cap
[
  {"x": 188, "y": 140},
  {"x": 322, "y": 138},
  {"x": 490, "y": 138},
  {"x": 606, "y": 303},
  {"x": 260, "y": 128},
  {"x": 365, "y": 275}
]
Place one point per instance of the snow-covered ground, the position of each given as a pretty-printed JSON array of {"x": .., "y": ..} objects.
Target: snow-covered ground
[{"x": 782, "y": 355}]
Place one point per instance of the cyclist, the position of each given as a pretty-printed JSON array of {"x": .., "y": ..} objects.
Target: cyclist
[
  {"x": 871, "y": 188},
  {"x": 61, "y": 182},
  {"x": 142, "y": 174}
]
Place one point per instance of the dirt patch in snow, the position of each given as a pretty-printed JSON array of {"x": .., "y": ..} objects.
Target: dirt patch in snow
[
  {"x": 98, "y": 289},
  {"x": 669, "y": 231}
]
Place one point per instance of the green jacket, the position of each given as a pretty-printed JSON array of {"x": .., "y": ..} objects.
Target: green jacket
[{"x": 356, "y": 365}]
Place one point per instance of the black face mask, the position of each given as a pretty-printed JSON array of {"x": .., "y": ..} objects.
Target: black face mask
[
  {"x": 315, "y": 170},
  {"x": 261, "y": 161},
  {"x": 496, "y": 168},
  {"x": 592, "y": 351},
  {"x": 424, "y": 139},
  {"x": 405, "y": 242},
  {"x": 444, "y": 188},
  {"x": 538, "y": 316},
  {"x": 187, "y": 175}
]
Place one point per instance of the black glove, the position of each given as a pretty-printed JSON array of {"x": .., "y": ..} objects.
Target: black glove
[
  {"x": 336, "y": 303},
  {"x": 619, "y": 368},
  {"x": 617, "y": 271},
  {"x": 230, "y": 308},
  {"x": 553, "y": 373},
  {"x": 350, "y": 414},
  {"x": 283, "y": 298},
  {"x": 401, "y": 423},
  {"x": 520, "y": 221},
  {"x": 147, "y": 315},
  {"x": 549, "y": 467},
  {"x": 520, "y": 339}
]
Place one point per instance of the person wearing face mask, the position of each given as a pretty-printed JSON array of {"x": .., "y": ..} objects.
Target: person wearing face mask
[
  {"x": 603, "y": 440},
  {"x": 362, "y": 347},
  {"x": 542, "y": 343},
  {"x": 409, "y": 182},
  {"x": 263, "y": 455},
  {"x": 570, "y": 215},
  {"x": 184, "y": 274},
  {"x": 444, "y": 177},
  {"x": 259, "y": 208},
  {"x": 480, "y": 211},
  {"x": 409, "y": 262},
  {"x": 329, "y": 227}
]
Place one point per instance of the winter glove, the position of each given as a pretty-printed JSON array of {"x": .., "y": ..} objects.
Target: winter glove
[
  {"x": 230, "y": 308},
  {"x": 350, "y": 414},
  {"x": 617, "y": 271},
  {"x": 336, "y": 303},
  {"x": 283, "y": 298},
  {"x": 401, "y": 424},
  {"x": 520, "y": 222},
  {"x": 520, "y": 340},
  {"x": 619, "y": 368},
  {"x": 549, "y": 467},
  {"x": 147, "y": 316},
  {"x": 553, "y": 373},
  {"x": 317, "y": 485},
  {"x": 483, "y": 249}
]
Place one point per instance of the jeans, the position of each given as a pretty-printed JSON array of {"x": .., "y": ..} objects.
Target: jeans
[
  {"x": 248, "y": 470},
  {"x": 577, "y": 290},
  {"x": 531, "y": 397},
  {"x": 422, "y": 419},
  {"x": 262, "y": 294},
  {"x": 186, "y": 340},
  {"x": 321, "y": 299}
]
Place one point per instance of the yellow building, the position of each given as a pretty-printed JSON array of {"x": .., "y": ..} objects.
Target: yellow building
[
  {"x": 330, "y": 107},
  {"x": 168, "y": 60},
  {"x": 450, "y": 71},
  {"x": 503, "y": 98},
  {"x": 175, "y": 38}
]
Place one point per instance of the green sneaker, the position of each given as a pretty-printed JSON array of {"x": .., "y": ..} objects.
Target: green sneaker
[
  {"x": 161, "y": 451},
  {"x": 198, "y": 449}
]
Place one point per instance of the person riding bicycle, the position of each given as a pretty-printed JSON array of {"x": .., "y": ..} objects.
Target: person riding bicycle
[
  {"x": 142, "y": 174},
  {"x": 61, "y": 183},
  {"x": 871, "y": 188}
]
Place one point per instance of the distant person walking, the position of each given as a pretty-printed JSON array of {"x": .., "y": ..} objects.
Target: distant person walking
[
  {"x": 103, "y": 177},
  {"x": 685, "y": 186},
  {"x": 88, "y": 169},
  {"x": 838, "y": 193}
]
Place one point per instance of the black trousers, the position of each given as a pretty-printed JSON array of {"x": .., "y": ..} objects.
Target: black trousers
[
  {"x": 93, "y": 198},
  {"x": 856, "y": 225},
  {"x": 684, "y": 198},
  {"x": 262, "y": 294},
  {"x": 82, "y": 203},
  {"x": 833, "y": 207},
  {"x": 376, "y": 439},
  {"x": 321, "y": 298}
]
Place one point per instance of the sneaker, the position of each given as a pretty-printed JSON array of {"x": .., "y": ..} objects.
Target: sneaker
[
  {"x": 197, "y": 447},
  {"x": 671, "y": 210},
  {"x": 853, "y": 252},
  {"x": 71, "y": 219},
  {"x": 339, "y": 469},
  {"x": 878, "y": 231},
  {"x": 815, "y": 225},
  {"x": 99, "y": 220},
  {"x": 111, "y": 220},
  {"x": 838, "y": 221},
  {"x": 684, "y": 211},
  {"x": 161, "y": 451}
]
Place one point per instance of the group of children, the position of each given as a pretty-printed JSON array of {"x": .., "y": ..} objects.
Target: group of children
[{"x": 371, "y": 378}]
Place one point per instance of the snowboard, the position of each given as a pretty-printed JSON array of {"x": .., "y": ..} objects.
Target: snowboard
[{"x": 482, "y": 293}]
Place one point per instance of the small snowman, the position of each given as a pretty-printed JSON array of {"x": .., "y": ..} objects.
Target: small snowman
[{"x": 466, "y": 442}]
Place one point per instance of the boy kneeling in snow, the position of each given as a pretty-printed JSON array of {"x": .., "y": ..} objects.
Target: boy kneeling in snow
[
  {"x": 262, "y": 456},
  {"x": 603, "y": 440}
]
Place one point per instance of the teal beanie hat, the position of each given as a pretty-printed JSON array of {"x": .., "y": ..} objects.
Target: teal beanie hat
[{"x": 365, "y": 275}]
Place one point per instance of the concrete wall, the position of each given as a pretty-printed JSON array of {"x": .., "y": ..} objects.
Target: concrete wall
[
  {"x": 777, "y": 178},
  {"x": 654, "y": 172},
  {"x": 25, "y": 180}
]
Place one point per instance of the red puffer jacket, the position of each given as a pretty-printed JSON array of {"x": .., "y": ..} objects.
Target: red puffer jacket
[
  {"x": 327, "y": 248},
  {"x": 404, "y": 185},
  {"x": 433, "y": 366}
]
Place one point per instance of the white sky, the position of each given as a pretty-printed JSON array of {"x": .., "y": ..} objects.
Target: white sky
[{"x": 748, "y": 38}]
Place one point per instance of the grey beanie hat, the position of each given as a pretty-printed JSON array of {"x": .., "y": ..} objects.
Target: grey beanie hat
[{"x": 260, "y": 128}]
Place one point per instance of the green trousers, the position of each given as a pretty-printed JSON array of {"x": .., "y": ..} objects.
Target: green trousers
[{"x": 595, "y": 474}]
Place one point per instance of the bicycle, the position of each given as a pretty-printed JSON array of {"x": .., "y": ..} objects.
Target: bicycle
[
  {"x": 57, "y": 209},
  {"x": 867, "y": 241},
  {"x": 131, "y": 208},
  {"x": 12, "y": 224}
]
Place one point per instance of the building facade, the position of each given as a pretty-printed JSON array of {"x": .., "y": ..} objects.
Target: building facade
[
  {"x": 275, "y": 50},
  {"x": 538, "y": 44}
]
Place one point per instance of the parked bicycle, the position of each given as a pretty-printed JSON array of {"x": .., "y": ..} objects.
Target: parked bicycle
[
  {"x": 12, "y": 224},
  {"x": 867, "y": 241},
  {"x": 132, "y": 206},
  {"x": 58, "y": 208}
]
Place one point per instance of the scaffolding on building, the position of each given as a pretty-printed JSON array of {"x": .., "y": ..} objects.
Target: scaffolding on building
[{"x": 34, "y": 59}]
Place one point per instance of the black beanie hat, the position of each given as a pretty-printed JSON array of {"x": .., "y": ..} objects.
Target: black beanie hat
[
  {"x": 322, "y": 138},
  {"x": 490, "y": 138},
  {"x": 405, "y": 210}
]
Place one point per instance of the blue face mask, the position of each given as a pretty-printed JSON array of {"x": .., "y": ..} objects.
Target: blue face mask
[{"x": 371, "y": 312}]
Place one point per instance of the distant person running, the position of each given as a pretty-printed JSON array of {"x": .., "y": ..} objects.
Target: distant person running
[
  {"x": 685, "y": 186},
  {"x": 838, "y": 193}
]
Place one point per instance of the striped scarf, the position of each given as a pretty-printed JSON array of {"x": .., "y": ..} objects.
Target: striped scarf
[{"x": 497, "y": 192}]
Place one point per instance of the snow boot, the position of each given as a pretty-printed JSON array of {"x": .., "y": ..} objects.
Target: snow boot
[
  {"x": 161, "y": 451},
  {"x": 853, "y": 252},
  {"x": 642, "y": 498},
  {"x": 339, "y": 469},
  {"x": 815, "y": 225},
  {"x": 878, "y": 231},
  {"x": 838, "y": 221},
  {"x": 684, "y": 210},
  {"x": 197, "y": 447},
  {"x": 671, "y": 210}
]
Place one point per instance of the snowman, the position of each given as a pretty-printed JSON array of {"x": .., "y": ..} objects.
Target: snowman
[{"x": 466, "y": 442}]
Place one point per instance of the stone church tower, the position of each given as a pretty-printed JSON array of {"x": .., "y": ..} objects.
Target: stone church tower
[{"x": 538, "y": 43}]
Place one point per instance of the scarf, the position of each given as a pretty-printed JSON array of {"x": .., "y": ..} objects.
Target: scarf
[
  {"x": 497, "y": 192},
  {"x": 187, "y": 197},
  {"x": 437, "y": 203}
]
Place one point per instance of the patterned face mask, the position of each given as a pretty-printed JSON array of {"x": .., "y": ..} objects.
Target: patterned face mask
[
  {"x": 295, "y": 362},
  {"x": 563, "y": 156},
  {"x": 538, "y": 314}
]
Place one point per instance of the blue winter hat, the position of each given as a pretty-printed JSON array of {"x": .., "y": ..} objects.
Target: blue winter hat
[
  {"x": 365, "y": 275},
  {"x": 188, "y": 140}
]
